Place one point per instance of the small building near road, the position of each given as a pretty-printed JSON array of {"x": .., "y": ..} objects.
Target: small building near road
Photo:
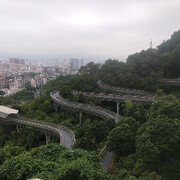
[{"x": 5, "y": 111}]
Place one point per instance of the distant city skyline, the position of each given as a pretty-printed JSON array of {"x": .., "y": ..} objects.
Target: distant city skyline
[{"x": 90, "y": 30}]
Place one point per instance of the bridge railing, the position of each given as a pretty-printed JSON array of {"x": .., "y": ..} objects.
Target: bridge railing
[
  {"x": 118, "y": 97},
  {"x": 34, "y": 124},
  {"x": 51, "y": 125},
  {"x": 169, "y": 79},
  {"x": 103, "y": 151}
]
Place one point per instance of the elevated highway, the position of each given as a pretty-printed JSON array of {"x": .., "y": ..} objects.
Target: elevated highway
[
  {"x": 121, "y": 90},
  {"x": 142, "y": 99},
  {"x": 87, "y": 108},
  {"x": 94, "y": 110},
  {"x": 65, "y": 135},
  {"x": 137, "y": 96},
  {"x": 172, "y": 82}
]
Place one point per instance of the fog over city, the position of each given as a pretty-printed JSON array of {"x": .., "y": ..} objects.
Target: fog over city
[{"x": 88, "y": 29}]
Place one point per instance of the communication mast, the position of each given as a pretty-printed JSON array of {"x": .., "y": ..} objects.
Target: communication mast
[{"x": 151, "y": 44}]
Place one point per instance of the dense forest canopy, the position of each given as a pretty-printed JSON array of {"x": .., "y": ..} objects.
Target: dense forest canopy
[{"x": 145, "y": 143}]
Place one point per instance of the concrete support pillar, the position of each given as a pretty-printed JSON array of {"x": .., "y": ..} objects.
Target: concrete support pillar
[
  {"x": 117, "y": 108},
  {"x": 55, "y": 107},
  {"x": 60, "y": 139},
  {"x": 18, "y": 129},
  {"x": 80, "y": 117},
  {"x": 48, "y": 136}
]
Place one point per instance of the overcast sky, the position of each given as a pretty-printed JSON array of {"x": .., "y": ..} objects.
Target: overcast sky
[{"x": 89, "y": 29}]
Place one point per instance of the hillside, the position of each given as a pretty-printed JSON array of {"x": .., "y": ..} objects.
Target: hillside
[{"x": 145, "y": 143}]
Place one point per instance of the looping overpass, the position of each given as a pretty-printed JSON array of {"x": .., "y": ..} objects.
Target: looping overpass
[
  {"x": 93, "y": 110},
  {"x": 66, "y": 136},
  {"x": 137, "y": 96}
]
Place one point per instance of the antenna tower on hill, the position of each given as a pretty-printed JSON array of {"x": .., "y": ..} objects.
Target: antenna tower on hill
[{"x": 151, "y": 44}]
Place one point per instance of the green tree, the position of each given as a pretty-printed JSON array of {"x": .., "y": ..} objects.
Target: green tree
[
  {"x": 54, "y": 162},
  {"x": 122, "y": 138},
  {"x": 158, "y": 144},
  {"x": 137, "y": 111},
  {"x": 90, "y": 69}
]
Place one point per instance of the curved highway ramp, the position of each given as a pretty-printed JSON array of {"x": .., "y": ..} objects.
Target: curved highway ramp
[
  {"x": 142, "y": 99},
  {"x": 87, "y": 108},
  {"x": 66, "y": 136},
  {"x": 122, "y": 90},
  {"x": 94, "y": 110}
]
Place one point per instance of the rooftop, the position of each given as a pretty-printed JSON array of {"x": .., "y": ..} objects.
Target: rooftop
[{"x": 5, "y": 111}]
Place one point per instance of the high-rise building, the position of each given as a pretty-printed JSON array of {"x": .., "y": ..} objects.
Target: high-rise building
[
  {"x": 81, "y": 62},
  {"x": 74, "y": 64},
  {"x": 21, "y": 61},
  {"x": 16, "y": 61}
]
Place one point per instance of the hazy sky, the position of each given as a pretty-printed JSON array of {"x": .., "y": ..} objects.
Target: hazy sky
[{"x": 89, "y": 29}]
